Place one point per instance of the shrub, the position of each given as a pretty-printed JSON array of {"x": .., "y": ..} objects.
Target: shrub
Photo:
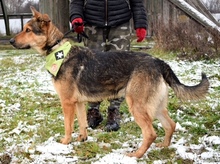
[{"x": 189, "y": 39}]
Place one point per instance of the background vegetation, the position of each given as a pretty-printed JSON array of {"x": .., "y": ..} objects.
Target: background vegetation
[{"x": 191, "y": 42}]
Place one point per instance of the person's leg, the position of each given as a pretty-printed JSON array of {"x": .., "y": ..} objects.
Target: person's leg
[
  {"x": 94, "y": 116},
  {"x": 108, "y": 39},
  {"x": 113, "y": 119},
  {"x": 118, "y": 39},
  {"x": 95, "y": 41}
]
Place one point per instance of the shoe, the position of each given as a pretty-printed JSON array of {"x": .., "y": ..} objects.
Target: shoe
[
  {"x": 94, "y": 117},
  {"x": 113, "y": 120}
]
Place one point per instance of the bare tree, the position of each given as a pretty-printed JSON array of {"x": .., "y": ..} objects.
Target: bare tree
[
  {"x": 17, "y": 6},
  {"x": 26, "y": 7},
  {"x": 213, "y": 6}
]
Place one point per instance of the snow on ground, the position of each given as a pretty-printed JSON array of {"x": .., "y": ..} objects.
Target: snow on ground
[{"x": 55, "y": 152}]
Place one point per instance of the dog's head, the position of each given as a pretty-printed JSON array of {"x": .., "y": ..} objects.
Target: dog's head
[{"x": 38, "y": 33}]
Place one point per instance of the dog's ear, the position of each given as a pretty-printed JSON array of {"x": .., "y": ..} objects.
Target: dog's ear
[
  {"x": 35, "y": 13},
  {"x": 43, "y": 19}
]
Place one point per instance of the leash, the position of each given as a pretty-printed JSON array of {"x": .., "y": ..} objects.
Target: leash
[
  {"x": 79, "y": 35},
  {"x": 79, "y": 38}
]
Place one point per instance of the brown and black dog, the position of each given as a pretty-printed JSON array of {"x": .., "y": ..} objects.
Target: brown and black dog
[{"x": 89, "y": 75}]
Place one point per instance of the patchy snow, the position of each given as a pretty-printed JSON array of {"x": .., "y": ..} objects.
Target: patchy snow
[
  {"x": 116, "y": 158},
  {"x": 52, "y": 151},
  {"x": 193, "y": 152}
]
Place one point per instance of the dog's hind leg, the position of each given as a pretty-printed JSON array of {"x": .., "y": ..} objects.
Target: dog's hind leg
[
  {"x": 82, "y": 119},
  {"x": 144, "y": 120},
  {"x": 169, "y": 126}
]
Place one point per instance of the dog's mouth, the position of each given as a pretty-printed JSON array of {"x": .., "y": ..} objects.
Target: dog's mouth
[{"x": 19, "y": 46}]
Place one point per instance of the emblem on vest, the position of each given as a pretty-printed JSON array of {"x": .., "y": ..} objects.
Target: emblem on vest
[{"x": 59, "y": 55}]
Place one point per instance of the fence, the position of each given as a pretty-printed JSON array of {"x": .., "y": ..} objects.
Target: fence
[{"x": 20, "y": 16}]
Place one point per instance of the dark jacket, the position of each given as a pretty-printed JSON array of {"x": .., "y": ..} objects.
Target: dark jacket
[{"x": 103, "y": 13}]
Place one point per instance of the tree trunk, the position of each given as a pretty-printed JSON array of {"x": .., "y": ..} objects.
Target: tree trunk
[{"x": 58, "y": 10}]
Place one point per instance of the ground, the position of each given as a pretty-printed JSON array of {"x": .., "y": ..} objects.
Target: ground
[{"x": 31, "y": 120}]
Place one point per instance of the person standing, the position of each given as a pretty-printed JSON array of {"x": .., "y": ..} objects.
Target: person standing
[{"x": 107, "y": 23}]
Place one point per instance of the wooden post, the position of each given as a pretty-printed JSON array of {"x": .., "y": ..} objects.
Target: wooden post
[
  {"x": 5, "y": 15},
  {"x": 58, "y": 10},
  {"x": 22, "y": 22}
]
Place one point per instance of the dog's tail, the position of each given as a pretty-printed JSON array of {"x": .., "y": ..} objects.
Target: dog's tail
[{"x": 182, "y": 91}]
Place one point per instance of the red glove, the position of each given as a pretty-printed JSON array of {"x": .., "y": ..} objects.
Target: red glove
[
  {"x": 77, "y": 25},
  {"x": 141, "y": 33}
]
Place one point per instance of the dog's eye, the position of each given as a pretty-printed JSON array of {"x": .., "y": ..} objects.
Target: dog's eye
[{"x": 28, "y": 30}]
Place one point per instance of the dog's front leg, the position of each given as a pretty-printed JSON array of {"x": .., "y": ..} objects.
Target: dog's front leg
[
  {"x": 82, "y": 119},
  {"x": 69, "y": 111}
]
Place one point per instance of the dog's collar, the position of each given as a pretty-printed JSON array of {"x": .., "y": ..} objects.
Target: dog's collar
[
  {"x": 55, "y": 59},
  {"x": 49, "y": 48}
]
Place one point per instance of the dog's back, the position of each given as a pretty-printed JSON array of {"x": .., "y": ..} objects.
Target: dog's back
[{"x": 105, "y": 74}]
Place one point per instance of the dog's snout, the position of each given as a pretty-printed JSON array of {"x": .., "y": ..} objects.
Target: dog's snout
[{"x": 12, "y": 40}]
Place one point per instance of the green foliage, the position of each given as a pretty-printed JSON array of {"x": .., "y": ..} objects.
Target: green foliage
[
  {"x": 88, "y": 150},
  {"x": 165, "y": 153}
]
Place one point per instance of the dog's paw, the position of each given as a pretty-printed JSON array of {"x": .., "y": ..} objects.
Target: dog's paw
[
  {"x": 65, "y": 140},
  {"x": 82, "y": 138},
  {"x": 130, "y": 154},
  {"x": 162, "y": 144},
  {"x": 134, "y": 154}
]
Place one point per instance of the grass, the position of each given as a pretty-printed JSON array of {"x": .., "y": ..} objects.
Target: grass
[{"x": 43, "y": 112}]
